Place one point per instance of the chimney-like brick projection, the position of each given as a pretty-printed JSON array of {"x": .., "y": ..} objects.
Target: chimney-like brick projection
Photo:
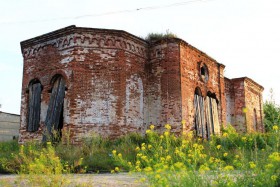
[{"x": 117, "y": 83}]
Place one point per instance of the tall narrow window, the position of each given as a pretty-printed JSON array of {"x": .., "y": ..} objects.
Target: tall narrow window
[
  {"x": 255, "y": 120},
  {"x": 212, "y": 116},
  {"x": 34, "y": 106},
  {"x": 199, "y": 117},
  {"x": 54, "y": 118},
  {"x": 206, "y": 120}
]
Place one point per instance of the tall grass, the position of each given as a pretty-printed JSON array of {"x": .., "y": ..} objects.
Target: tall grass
[
  {"x": 231, "y": 159},
  {"x": 228, "y": 160}
]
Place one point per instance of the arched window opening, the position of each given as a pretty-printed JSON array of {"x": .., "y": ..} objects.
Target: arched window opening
[
  {"x": 204, "y": 73},
  {"x": 255, "y": 120},
  {"x": 34, "y": 105},
  {"x": 54, "y": 119},
  {"x": 212, "y": 115}
]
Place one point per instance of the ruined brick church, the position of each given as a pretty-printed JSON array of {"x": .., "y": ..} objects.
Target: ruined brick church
[{"x": 111, "y": 82}]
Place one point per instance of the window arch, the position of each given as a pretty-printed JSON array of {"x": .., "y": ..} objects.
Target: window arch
[
  {"x": 34, "y": 105},
  {"x": 54, "y": 118}
]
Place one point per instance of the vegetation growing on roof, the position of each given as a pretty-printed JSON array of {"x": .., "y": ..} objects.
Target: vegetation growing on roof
[{"x": 158, "y": 36}]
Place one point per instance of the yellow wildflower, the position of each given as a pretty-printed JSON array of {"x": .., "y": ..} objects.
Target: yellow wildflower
[
  {"x": 148, "y": 169},
  {"x": 168, "y": 157},
  {"x": 274, "y": 177},
  {"x": 219, "y": 146},
  {"x": 225, "y": 135},
  {"x": 137, "y": 149},
  {"x": 167, "y": 126},
  {"x": 203, "y": 168},
  {"x": 142, "y": 179},
  {"x": 148, "y": 131},
  {"x": 152, "y": 127},
  {"x": 245, "y": 110},
  {"x": 157, "y": 176},
  {"x": 144, "y": 158},
  {"x": 252, "y": 165},
  {"x": 225, "y": 154},
  {"x": 166, "y": 133},
  {"x": 211, "y": 159},
  {"x": 117, "y": 169},
  {"x": 137, "y": 168},
  {"x": 179, "y": 165},
  {"x": 149, "y": 146},
  {"x": 114, "y": 152},
  {"x": 120, "y": 155},
  {"x": 269, "y": 166},
  {"x": 228, "y": 168},
  {"x": 275, "y": 127}
]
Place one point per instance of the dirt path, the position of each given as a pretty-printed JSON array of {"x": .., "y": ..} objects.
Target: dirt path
[{"x": 96, "y": 180}]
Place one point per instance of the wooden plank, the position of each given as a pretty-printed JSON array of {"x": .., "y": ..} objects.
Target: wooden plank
[
  {"x": 202, "y": 117},
  {"x": 37, "y": 106},
  {"x": 30, "y": 109},
  {"x": 34, "y": 107},
  {"x": 215, "y": 116},
  {"x": 195, "y": 114},
  {"x": 55, "y": 105},
  {"x": 199, "y": 130},
  {"x": 208, "y": 117}
]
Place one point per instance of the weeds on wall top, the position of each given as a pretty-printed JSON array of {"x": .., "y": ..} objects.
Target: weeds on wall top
[{"x": 158, "y": 36}]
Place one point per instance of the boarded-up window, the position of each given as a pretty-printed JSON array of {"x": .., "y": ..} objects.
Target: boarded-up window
[
  {"x": 206, "y": 120},
  {"x": 55, "y": 109},
  {"x": 212, "y": 116},
  {"x": 34, "y": 106}
]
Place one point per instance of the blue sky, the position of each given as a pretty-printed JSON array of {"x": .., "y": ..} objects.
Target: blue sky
[{"x": 241, "y": 34}]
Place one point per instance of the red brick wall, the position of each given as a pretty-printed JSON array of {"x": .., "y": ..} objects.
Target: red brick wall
[
  {"x": 253, "y": 101},
  {"x": 243, "y": 97},
  {"x": 118, "y": 83},
  {"x": 191, "y": 62},
  {"x": 164, "y": 94},
  {"x": 105, "y": 75}
]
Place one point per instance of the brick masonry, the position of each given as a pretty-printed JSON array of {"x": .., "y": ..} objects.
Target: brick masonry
[{"x": 117, "y": 83}]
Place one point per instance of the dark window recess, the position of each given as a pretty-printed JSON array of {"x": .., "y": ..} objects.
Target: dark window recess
[
  {"x": 255, "y": 120},
  {"x": 54, "y": 118},
  {"x": 34, "y": 107},
  {"x": 204, "y": 74}
]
